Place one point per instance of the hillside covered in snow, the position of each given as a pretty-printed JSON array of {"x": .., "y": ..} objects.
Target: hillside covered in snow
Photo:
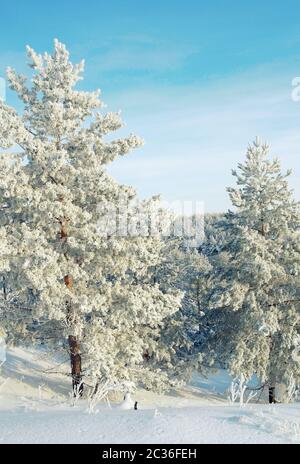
[{"x": 35, "y": 407}]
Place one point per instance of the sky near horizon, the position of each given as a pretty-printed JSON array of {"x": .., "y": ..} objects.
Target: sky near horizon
[{"x": 197, "y": 80}]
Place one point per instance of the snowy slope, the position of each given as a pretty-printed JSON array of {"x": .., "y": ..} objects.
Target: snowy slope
[{"x": 35, "y": 408}]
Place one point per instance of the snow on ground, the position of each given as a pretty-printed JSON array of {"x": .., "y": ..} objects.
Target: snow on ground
[{"x": 35, "y": 408}]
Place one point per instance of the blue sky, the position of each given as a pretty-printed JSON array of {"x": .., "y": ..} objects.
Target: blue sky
[{"x": 197, "y": 80}]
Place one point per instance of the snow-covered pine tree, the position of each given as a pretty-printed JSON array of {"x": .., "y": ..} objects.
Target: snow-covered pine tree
[
  {"x": 182, "y": 267},
  {"x": 77, "y": 282},
  {"x": 252, "y": 296}
]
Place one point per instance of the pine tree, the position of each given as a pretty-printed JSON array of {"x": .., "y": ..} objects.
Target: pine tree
[
  {"x": 182, "y": 267},
  {"x": 75, "y": 277},
  {"x": 252, "y": 296}
]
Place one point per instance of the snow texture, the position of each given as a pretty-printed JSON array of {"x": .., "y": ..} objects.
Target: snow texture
[{"x": 35, "y": 408}]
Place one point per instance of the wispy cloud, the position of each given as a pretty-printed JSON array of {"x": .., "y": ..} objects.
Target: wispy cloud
[
  {"x": 138, "y": 53},
  {"x": 196, "y": 134}
]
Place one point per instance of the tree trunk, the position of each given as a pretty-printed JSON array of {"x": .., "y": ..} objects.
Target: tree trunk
[
  {"x": 272, "y": 398},
  {"x": 75, "y": 359},
  {"x": 74, "y": 346}
]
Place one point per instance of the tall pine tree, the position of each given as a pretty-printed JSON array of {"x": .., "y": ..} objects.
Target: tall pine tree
[
  {"x": 252, "y": 296},
  {"x": 75, "y": 278}
]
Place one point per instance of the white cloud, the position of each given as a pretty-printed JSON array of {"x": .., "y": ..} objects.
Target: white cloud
[
  {"x": 196, "y": 133},
  {"x": 195, "y": 136},
  {"x": 137, "y": 53}
]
